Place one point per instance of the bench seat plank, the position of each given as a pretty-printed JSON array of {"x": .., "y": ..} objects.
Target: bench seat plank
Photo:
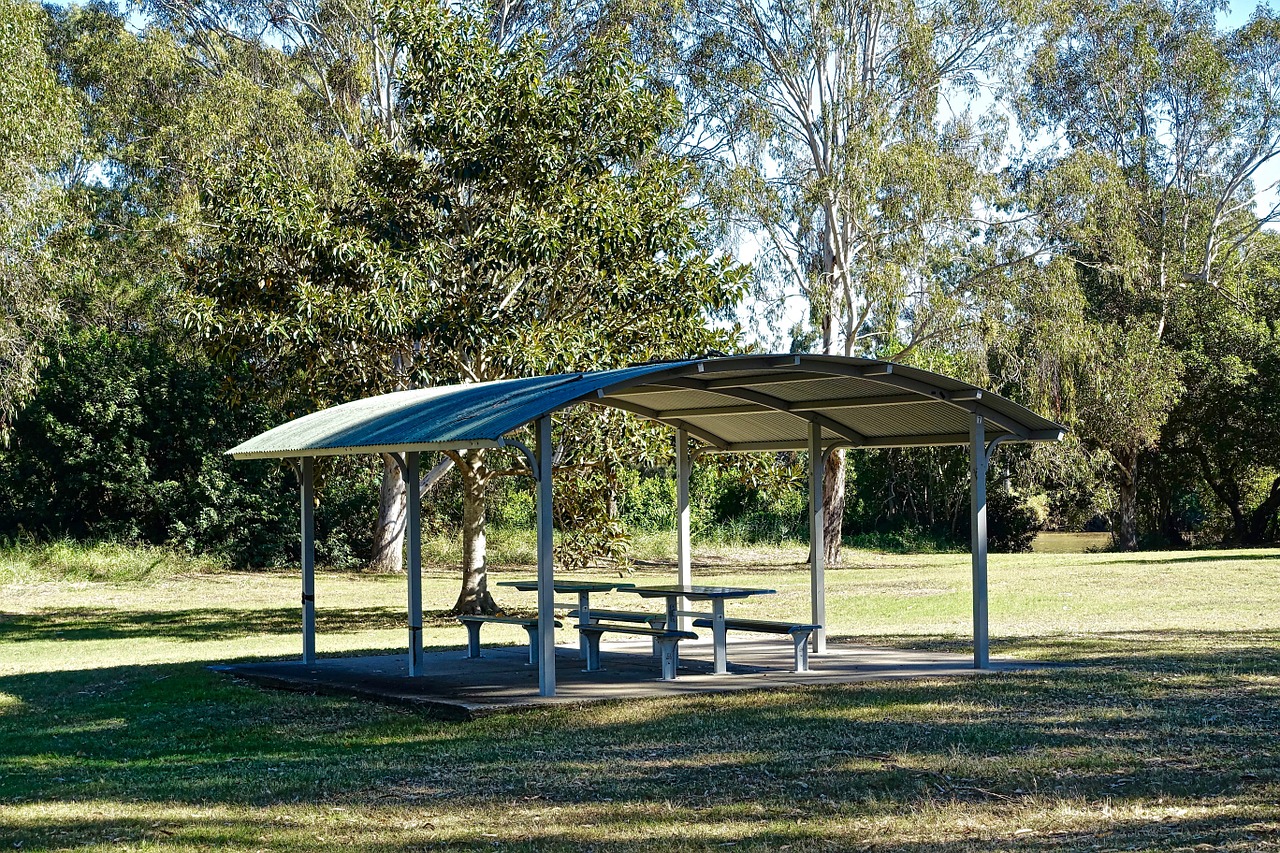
[
  {"x": 799, "y": 634},
  {"x": 759, "y": 625},
  {"x": 668, "y": 642},
  {"x": 475, "y": 621}
]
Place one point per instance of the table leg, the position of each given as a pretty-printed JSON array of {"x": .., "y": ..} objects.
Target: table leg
[
  {"x": 719, "y": 637},
  {"x": 584, "y": 618},
  {"x": 673, "y": 624}
]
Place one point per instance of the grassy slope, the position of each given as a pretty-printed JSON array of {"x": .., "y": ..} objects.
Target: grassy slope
[{"x": 1165, "y": 735}]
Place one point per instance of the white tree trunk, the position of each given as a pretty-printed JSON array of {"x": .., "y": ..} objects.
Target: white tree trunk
[
  {"x": 475, "y": 596},
  {"x": 388, "y": 532},
  {"x": 833, "y": 504}
]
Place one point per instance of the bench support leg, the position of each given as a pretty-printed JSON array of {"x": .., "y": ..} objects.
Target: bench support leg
[
  {"x": 719, "y": 637},
  {"x": 670, "y": 657},
  {"x": 801, "y": 640},
  {"x": 532, "y": 630},
  {"x": 593, "y": 650},
  {"x": 473, "y": 639},
  {"x": 657, "y": 623}
]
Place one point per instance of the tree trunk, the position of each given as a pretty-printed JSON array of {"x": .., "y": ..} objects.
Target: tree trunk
[
  {"x": 388, "y": 532},
  {"x": 474, "y": 597},
  {"x": 1127, "y": 523},
  {"x": 1262, "y": 519},
  {"x": 833, "y": 505}
]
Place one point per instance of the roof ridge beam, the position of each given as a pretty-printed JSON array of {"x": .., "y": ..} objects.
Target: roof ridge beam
[
  {"x": 744, "y": 409},
  {"x": 927, "y": 440},
  {"x": 867, "y": 402},
  {"x": 745, "y": 381}
]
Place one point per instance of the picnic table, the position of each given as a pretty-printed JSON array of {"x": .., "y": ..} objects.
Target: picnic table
[
  {"x": 717, "y": 595},
  {"x": 583, "y": 588}
]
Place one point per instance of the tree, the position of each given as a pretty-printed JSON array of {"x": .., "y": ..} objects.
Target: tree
[
  {"x": 37, "y": 128},
  {"x": 1228, "y": 420},
  {"x": 529, "y": 225},
  {"x": 830, "y": 133},
  {"x": 1156, "y": 127}
]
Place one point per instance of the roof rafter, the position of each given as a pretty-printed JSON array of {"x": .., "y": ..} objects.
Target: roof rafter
[
  {"x": 775, "y": 403},
  {"x": 645, "y": 412}
]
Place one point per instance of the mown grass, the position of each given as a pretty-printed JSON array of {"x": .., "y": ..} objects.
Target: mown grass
[{"x": 1159, "y": 732}]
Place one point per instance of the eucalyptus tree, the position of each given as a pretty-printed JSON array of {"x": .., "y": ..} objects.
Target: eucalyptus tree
[
  {"x": 37, "y": 129},
  {"x": 1154, "y": 128},
  {"x": 529, "y": 223},
  {"x": 849, "y": 138}
]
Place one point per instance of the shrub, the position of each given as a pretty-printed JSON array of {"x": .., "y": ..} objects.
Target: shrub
[{"x": 124, "y": 441}]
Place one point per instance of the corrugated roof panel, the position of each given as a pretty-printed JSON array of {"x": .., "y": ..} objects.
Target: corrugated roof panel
[
  {"x": 764, "y": 426},
  {"x": 479, "y": 415},
  {"x": 926, "y": 418}
]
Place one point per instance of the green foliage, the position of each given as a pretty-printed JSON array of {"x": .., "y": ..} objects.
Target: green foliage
[
  {"x": 825, "y": 130},
  {"x": 123, "y": 441},
  {"x": 1012, "y": 521},
  {"x": 550, "y": 235},
  {"x": 37, "y": 129},
  {"x": 1144, "y": 209}
]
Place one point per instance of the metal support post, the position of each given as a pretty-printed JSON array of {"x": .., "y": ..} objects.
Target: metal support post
[
  {"x": 413, "y": 484},
  {"x": 719, "y": 643},
  {"x": 817, "y": 554},
  {"x": 546, "y": 570},
  {"x": 308, "y": 478},
  {"x": 684, "y": 545},
  {"x": 978, "y": 545}
]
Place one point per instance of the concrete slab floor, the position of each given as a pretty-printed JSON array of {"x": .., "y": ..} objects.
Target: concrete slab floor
[{"x": 503, "y": 680}]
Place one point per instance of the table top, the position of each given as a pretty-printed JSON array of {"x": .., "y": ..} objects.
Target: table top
[
  {"x": 568, "y": 585},
  {"x": 696, "y": 591}
]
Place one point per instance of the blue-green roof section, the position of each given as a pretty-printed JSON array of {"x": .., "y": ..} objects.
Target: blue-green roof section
[{"x": 739, "y": 403}]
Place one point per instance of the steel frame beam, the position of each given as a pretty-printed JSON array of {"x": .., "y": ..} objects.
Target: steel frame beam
[
  {"x": 684, "y": 539},
  {"x": 817, "y": 545}
]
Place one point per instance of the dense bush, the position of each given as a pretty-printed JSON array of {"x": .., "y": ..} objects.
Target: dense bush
[{"x": 124, "y": 441}]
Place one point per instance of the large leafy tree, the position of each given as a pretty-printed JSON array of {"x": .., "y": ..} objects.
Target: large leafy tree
[
  {"x": 834, "y": 135},
  {"x": 1228, "y": 419},
  {"x": 37, "y": 129},
  {"x": 530, "y": 223},
  {"x": 1155, "y": 127}
]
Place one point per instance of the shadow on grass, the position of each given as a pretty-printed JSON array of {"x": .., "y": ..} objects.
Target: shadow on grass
[
  {"x": 1164, "y": 559},
  {"x": 1153, "y": 716},
  {"x": 197, "y": 624}
]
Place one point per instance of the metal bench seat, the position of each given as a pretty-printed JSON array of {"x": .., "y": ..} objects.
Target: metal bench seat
[
  {"x": 622, "y": 616},
  {"x": 654, "y": 620},
  {"x": 668, "y": 643},
  {"x": 799, "y": 634},
  {"x": 475, "y": 621}
]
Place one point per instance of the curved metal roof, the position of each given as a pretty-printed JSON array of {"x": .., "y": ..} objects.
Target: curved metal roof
[{"x": 739, "y": 403}]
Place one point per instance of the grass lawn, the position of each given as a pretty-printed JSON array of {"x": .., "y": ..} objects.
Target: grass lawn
[{"x": 1163, "y": 732}]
